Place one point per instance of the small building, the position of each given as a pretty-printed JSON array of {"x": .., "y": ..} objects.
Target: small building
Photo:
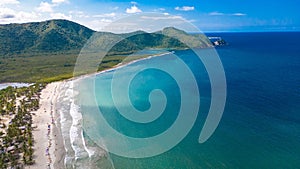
[
  {"x": 22, "y": 127},
  {"x": 11, "y": 148}
]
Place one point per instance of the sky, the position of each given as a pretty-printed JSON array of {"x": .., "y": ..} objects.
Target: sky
[{"x": 206, "y": 15}]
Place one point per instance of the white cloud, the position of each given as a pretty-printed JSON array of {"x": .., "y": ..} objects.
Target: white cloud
[
  {"x": 4, "y": 2},
  {"x": 79, "y": 14},
  {"x": 106, "y": 15},
  {"x": 192, "y": 20},
  {"x": 216, "y": 14},
  {"x": 239, "y": 14},
  {"x": 222, "y": 14},
  {"x": 149, "y": 22},
  {"x": 60, "y": 16},
  {"x": 8, "y": 15},
  {"x": 185, "y": 8},
  {"x": 76, "y": 12},
  {"x": 165, "y": 17},
  {"x": 106, "y": 20},
  {"x": 115, "y": 8},
  {"x": 159, "y": 10},
  {"x": 45, "y": 7},
  {"x": 97, "y": 24},
  {"x": 48, "y": 7},
  {"x": 120, "y": 27},
  {"x": 133, "y": 9},
  {"x": 59, "y": 1},
  {"x": 27, "y": 16}
]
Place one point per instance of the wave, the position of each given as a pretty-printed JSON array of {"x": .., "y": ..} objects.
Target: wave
[
  {"x": 89, "y": 151},
  {"x": 70, "y": 120},
  {"x": 79, "y": 154}
]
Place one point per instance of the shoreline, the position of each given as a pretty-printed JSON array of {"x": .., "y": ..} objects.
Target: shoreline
[
  {"x": 47, "y": 138},
  {"x": 118, "y": 66},
  {"x": 49, "y": 147}
]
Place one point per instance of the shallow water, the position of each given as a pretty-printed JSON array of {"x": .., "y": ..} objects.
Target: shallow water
[{"x": 260, "y": 127}]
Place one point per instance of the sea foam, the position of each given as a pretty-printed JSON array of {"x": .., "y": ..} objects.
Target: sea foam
[{"x": 78, "y": 153}]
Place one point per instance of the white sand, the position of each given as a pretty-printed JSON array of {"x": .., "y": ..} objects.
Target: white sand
[
  {"x": 54, "y": 141},
  {"x": 44, "y": 140}
]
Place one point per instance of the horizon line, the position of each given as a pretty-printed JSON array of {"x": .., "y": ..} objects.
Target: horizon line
[{"x": 201, "y": 31}]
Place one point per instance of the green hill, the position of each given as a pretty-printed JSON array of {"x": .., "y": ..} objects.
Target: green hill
[
  {"x": 43, "y": 37},
  {"x": 47, "y": 51}
]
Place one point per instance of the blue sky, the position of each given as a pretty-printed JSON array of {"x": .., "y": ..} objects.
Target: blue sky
[{"x": 207, "y": 15}]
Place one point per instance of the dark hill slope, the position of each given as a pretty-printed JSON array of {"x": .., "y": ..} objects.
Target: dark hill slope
[{"x": 43, "y": 37}]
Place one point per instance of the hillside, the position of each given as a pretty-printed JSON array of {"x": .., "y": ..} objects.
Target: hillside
[
  {"x": 43, "y": 37},
  {"x": 47, "y": 51}
]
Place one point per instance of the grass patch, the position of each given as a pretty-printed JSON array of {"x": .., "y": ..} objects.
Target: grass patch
[{"x": 50, "y": 67}]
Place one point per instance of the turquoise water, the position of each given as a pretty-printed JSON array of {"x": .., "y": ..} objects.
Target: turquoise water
[{"x": 260, "y": 127}]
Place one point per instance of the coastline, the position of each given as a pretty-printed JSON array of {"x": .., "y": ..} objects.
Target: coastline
[
  {"x": 48, "y": 151},
  {"x": 50, "y": 145},
  {"x": 118, "y": 66}
]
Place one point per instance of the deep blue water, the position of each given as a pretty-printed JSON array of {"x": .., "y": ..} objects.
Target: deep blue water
[{"x": 260, "y": 127}]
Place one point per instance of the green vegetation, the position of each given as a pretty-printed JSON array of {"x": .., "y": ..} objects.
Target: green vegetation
[
  {"x": 47, "y": 51},
  {"x": 54, "y": 36},
  {"x": 16, "y": 139},
  {"x": 36, "y": 68}
]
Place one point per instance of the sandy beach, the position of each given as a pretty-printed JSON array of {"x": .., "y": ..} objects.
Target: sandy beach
[
  {"x": 48, "y": 147},
  {"x": 51, "y": 147}
]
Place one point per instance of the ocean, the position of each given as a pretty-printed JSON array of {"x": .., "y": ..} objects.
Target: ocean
[{"x": 260, "y": 126}]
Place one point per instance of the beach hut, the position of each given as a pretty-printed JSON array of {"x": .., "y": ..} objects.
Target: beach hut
[
  {"x": 11, "y": 148},
  {"x": 22, "y": 127}
]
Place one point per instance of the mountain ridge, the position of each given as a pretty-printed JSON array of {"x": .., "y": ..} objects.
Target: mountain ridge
[
  {"x": 47, "y": 51},
  {"x": 43, "y": 37},
  {"x": 61, "y": 35}
]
